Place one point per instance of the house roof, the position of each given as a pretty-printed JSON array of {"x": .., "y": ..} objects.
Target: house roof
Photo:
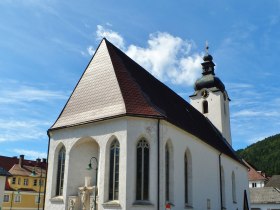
[
  {"x": 264, "y": 195},
  {"x": 114, "y": 85},
  {"x": 26, "y": 170},
  {"x": 253, "y": 174},
  {"x": 274, "y": 181},
  {"x": 8, "y": 162}
]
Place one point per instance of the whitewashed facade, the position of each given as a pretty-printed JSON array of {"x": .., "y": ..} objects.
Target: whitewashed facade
[{"x": 200, "y": 175}]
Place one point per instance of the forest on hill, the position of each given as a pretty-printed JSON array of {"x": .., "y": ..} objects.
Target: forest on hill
[{"x": 264, "y": 155}]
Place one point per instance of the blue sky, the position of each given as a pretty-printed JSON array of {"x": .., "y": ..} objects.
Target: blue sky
[{"x": 45, "y": 46}]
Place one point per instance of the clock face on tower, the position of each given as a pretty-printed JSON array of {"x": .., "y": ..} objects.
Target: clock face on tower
[{"x": 204, "y": 93}]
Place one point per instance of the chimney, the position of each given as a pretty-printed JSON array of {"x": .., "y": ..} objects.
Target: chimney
[
  {"x": 38, "y": 161},
  {"x": 21, "y": 159},
  {"x": 44, "y": 160}
]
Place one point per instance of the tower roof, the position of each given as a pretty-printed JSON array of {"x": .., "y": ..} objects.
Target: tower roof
[
  {"x": 114, "y": 85},
  {"x": 208, "y": 79}
]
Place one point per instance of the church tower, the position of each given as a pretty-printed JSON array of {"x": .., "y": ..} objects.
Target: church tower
[{"x": 211, "y": 98}]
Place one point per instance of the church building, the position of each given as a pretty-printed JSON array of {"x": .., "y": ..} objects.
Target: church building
[{"x": 147, "y": 147}]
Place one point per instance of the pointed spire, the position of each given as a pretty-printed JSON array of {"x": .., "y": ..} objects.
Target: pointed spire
[
  {"x": 207, "y": 65},
  {"x": 206, "y": 48}
]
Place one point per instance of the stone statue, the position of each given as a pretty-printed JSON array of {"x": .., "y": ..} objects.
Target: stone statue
[{"x": 72, "y": 204}]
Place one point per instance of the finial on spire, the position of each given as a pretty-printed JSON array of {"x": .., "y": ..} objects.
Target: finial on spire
[{"x": 206, "y": 47}]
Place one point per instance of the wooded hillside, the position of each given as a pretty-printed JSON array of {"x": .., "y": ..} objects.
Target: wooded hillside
[{"x": 264, "y": 155}]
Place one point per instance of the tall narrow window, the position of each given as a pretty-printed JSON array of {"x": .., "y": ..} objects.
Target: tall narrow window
[
  {"x": 114, "y": 171},
  {"x": 186, "y": 180},
  {"x": 223, "y": 188},
  {"x": 233, "y": 187},
  {"x": 205, "y": 107},
  {"x": 60, "y": 171},
  {"x": 167, "y": 174},
  {"x": 142, "y": 174}
]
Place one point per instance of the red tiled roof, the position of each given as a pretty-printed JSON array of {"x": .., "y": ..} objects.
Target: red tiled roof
[
  {"x": 8, "y": 162},
  {"x": 253, "y": 174}
]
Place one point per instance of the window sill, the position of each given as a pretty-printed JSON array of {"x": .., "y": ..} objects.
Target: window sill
[
  {"x": 142, "y": 203},
  {"x": 188, "y": 206},
  {"x": 114, "y": 203},
  {"x": 57, "y": 199}
]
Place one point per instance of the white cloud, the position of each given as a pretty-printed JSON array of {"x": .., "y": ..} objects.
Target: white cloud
[
  {"x": 21, "y": 94},
  {"x": 167, "y": 57},
  {"x": 113, "y": 36},
  {"x": 90, "y": 50},
  {"x": 30, "y": 154},
  {"x": 16, "y": 130}
]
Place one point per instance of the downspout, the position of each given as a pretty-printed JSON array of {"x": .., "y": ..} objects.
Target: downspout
[
  {"x": 47, "y": 165},
  {"x": 220, "y": 172},
  {"x": 158, "y": 169}
]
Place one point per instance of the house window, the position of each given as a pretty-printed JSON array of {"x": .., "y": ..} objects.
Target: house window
[
  {"x": 19, "y": 181},
  {"x": 254, "y": 184},
  {"x": 142, "y": 172},
  {"x": 233, "y": 187},
  {"x": 35, "y": 182},
  {"x": 6, "y": 198},
  {"x": 17, "y": 198},
  {"x": 37, "y": 199},
  {"x": 25, "y": 182},
  {"x": 114, "y": 171},
  {"x": 205, "y": 107},
  {"x": 14, "y": 180},
  {"x": 60, "y": 171},
  {"x": 167, "y": 174}
]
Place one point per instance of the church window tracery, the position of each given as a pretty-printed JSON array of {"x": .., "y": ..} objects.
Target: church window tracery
[
  {"x": 60, "y": 171},
  {"x": 142, "y": 174},
  {"x": 114, "y": 170}
]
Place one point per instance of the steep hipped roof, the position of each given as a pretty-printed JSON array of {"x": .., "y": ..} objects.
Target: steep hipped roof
[
  {"x": 253, "y": 174},
  {"x": 114, "y": 85},
  {"x": 264, "y": 195}
]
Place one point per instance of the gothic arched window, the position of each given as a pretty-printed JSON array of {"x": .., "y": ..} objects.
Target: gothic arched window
[
  {"x": 167, "y": 173},
  {"x": 114, "y": 170},
  {"x": 142, "y": 171},
  {"x": 233, "y": 187},
  {"x": 60, "y": 171},
  {"x": 188, "y": 178},
  {"x": 205, "y": 107}
]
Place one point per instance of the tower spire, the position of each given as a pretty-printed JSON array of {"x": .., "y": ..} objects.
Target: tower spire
[{"x": 206, "y": 48}]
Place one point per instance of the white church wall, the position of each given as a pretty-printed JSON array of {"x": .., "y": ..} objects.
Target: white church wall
[
  {"x": 141, "y": 128},
  {"x": 85, "y": 141},
  {"x": 241, "y": 181},
  {"x": 100, "y": 132},
  {"x": 204, "y": 169}
]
